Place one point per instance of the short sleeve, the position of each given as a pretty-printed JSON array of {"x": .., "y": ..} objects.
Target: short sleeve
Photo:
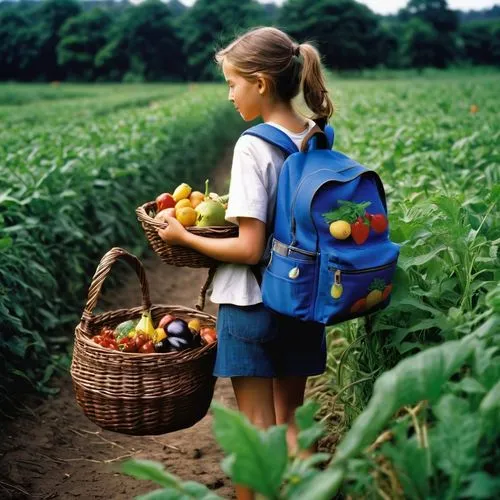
[{"x": 247, "y": 190}]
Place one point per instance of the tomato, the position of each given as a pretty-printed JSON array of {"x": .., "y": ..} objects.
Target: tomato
[
  {"x": 387, "y": 291},
  {"x": 128, "y": 345},
  {"x": 97, "y": 339},
  {"x": 107, "y": 332},
  {"x": 359, "y": 231},
  {"x": 378, "y": 222},
  {"x": 147, "y": 347},
  {"x": 140, "y": 340}
]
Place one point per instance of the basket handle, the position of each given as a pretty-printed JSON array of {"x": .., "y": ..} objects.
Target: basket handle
[{"x": 102, "y": 271}]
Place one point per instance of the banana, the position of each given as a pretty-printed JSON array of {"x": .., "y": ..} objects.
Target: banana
[{"x": 146, "y": 324}]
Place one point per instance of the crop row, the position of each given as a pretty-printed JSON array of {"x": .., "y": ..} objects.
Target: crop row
[{"x": 32, "y": 117}]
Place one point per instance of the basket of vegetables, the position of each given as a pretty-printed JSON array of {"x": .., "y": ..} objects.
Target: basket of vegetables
[
  {"x": 145, "y": 370},
  {"x": 201, "y": 214}
]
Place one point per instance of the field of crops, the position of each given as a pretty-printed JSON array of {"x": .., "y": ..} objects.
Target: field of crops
[{"x": 414, "y": 392}]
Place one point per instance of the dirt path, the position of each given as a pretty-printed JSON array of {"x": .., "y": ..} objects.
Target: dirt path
[{"x": 58, "y": 453}]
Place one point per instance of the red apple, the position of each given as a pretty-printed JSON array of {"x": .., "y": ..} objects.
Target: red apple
[{"x": 164, "y": 200}]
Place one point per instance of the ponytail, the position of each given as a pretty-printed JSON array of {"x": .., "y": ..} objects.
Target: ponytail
[{"x": 313, "y": 83}]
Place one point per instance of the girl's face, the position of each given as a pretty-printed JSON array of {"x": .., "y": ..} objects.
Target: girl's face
[{"x": 246, "y": 96}]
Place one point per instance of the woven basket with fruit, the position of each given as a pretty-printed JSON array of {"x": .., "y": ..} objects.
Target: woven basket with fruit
[
  {"x": 201, "y": 214},
  {"x": 144, "y": 370}
]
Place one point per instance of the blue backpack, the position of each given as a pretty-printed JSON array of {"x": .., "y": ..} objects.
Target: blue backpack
[{"x": 330, "y": 255}]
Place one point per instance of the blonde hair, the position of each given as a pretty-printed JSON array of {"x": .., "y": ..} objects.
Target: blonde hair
[{"x": 287, "y": 66}]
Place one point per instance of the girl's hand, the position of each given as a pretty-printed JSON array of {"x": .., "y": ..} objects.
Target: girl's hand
[{"x": 175, "y": 233}]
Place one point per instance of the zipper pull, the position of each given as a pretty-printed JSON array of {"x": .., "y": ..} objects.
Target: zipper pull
[
  {"x": 337, "y": 288},
  {"x": 337, "y": 277}
]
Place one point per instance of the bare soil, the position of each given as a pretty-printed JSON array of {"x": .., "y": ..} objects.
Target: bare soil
[{"x": 56, "y": 452}]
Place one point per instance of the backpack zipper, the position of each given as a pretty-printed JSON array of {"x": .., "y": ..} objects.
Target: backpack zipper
[{"x": 338, "y": 272}]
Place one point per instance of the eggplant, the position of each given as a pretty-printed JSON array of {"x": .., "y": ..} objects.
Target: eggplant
[
  {"x": 178, "y": 328},
  {"x": 178, "y": 343},
  {"x": 163, "y": 346},
  {"x": 196, "y": 342}
]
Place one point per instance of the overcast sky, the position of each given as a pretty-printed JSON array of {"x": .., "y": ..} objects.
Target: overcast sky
[{"x": 392, "y": 6}]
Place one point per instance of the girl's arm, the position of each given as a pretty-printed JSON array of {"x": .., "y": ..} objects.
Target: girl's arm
[{"x": 247, "y": 248}]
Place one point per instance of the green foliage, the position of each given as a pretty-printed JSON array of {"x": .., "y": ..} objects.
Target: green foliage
[
  {"x": 481, "y": 42},
  {"x": 173, "y": 488},
  {"x": 82, "y": 37},
  {"x": 347, "y": 32},
  {"x": 51, "y": 16},
  {"x": 254, "y": 458},
  {"x": 142, "y": 43},
  {"x": 210, "y": 25}
]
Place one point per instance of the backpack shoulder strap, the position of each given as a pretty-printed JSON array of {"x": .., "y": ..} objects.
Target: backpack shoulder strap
[
  {"x": 318, "y": 137},
  {"x": 273, "y": 136},
  {"x": 330, "y": 135}
]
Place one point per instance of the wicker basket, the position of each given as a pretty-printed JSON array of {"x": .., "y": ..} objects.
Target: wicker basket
[
  {"x": 132, "y": 393},
  {"x": 177, "y": 255}
]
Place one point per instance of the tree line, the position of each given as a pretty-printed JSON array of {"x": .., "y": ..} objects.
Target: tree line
[{"x": 153, "y": 41}]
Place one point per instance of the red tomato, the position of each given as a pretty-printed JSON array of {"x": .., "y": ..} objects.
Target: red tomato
[
  {"x": 378, "y": 222},
  {"x": 128, "y": 345},
  {"x": 97, "y": 339},
  {"x": 147, "y": 347},
  {"x": 360, "y": 231},
  {"x": 140, "y": 340}
]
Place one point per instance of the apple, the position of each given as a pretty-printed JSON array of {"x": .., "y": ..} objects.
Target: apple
[{"x": 164, "y": 200}]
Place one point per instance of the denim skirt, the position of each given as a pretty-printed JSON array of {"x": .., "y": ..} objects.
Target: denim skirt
[{"x": 253, "y": 341}]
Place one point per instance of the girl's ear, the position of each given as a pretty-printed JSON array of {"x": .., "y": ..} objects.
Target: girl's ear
[{"x": 262, "y": 84}]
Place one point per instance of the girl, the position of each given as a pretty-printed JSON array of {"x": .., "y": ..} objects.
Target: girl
[{"x": 267, "y": 356}]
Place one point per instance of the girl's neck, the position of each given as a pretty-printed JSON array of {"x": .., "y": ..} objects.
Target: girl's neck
[{"x": 283, "y": 114}]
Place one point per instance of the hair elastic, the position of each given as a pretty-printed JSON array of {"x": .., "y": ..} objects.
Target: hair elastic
[{"x": 296, "y": 52}]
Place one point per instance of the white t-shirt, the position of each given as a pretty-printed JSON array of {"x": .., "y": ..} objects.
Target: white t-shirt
[{"x": 252, "y": 193}]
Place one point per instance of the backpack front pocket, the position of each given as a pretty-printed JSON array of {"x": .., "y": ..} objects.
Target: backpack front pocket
[
  {"x": 289, "y": 284},
  {"x": 354, "y": 293}
]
